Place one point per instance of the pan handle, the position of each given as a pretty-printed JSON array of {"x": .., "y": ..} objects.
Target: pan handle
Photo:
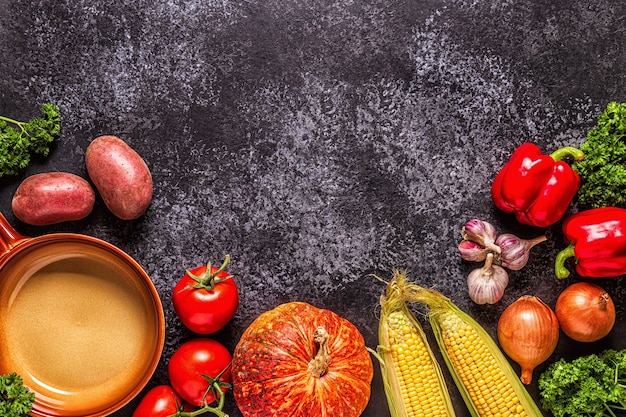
[{"x": 9, "y": 237}]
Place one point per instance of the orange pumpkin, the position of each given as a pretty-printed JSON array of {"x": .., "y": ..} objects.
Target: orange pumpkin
[{"x": 301, "y": 361}]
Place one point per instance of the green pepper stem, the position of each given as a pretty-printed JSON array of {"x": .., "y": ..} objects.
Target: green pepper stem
[
  {"x": 559, "y": 264},
  {"x": 568, "y": 152}
]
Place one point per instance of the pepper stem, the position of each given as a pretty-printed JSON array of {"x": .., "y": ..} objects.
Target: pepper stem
[
  {"x": 568, "y": 152},
  {"x": 559, "y": 264}
]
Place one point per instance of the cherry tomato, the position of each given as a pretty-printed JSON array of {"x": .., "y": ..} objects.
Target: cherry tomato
[
  {"x": 160, "y": 401},
  {"x": 205, "y": 302},
  {"x": 196, "y": 362}
]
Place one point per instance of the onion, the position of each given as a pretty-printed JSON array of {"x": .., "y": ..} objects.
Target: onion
[
  {"x": 585, "y": 312},
  {"x": 528, "y": 332}
]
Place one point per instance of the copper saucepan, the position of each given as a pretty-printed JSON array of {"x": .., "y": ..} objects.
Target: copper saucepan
[{"x": 80, "y": 321}]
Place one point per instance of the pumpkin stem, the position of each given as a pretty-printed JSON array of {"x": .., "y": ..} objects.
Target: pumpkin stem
[{"x": 319, "y": 364}]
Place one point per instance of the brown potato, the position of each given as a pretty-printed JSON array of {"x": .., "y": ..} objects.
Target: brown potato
[
  {"x": 120, "y": 175},
  {"x": 53, "y": 197}
]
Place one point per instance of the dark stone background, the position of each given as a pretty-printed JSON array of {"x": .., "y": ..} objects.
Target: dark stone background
[{"x": 316, "y": 141}]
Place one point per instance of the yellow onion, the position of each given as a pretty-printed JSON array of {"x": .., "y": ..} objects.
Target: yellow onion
[
  {"x": 528, "y": 332},
  {"x": 585, "y": 311}
]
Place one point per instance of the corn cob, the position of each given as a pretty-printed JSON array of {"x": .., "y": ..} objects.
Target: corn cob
[
  {"x": 485, "y": 378},
  {"x": 413, "y": 381}
]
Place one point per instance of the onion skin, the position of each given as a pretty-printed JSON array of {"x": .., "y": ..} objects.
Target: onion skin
[
  {"x": 585, "y": 311},
  {"x": 528, "y": 332}
]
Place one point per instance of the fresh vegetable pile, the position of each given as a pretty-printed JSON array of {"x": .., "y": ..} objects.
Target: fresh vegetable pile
[
  {"x": 539, "y": 190},
  {"x": 300, "y": 360},
  {"x": 480, "y": 370}
]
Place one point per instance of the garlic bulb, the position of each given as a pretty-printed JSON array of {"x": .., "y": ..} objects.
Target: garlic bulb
[
  {"x": 480, "y": 232},
  {"x": 472, "y": 251},
  {"x": 486, "y": 285},
  {"x": 515, "y": 250}
]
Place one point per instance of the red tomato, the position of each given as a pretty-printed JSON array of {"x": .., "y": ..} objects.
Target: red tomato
[
  {"x": 193, "y": 364},
  {"x": 206, "y": 302},
  {"x": 160, "y": 401}
]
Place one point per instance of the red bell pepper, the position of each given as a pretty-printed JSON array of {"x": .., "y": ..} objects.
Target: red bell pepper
[
  {"x": 597, "y": 240},
  {"x": 538, "y": 188}
]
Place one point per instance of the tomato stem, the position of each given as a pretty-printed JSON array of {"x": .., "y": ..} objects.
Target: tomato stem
[
  {"x": 209, "y": 280},
  {"x": 215, "y": 387}
]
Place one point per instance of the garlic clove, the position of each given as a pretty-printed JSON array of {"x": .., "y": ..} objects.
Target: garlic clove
[
  {"x": 472, "y": 251},
  {"x": 486, "y": 285},
  {"x": 515, "y": 250},
  {"x": 480, "y": 232}
]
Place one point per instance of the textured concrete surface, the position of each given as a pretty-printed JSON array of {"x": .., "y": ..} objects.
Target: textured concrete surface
[{"x": 315, "y": 141}]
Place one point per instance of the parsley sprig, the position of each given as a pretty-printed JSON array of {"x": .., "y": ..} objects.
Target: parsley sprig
[
  {"x": 603, "y": 169},
  {"x": 18, "y": 139},
  {"x": 592, "y": 385},
  {"x": 16, "y": 400}
]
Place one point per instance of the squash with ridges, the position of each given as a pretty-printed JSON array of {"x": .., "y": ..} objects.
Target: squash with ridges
[{"x": 300, "y": 361}]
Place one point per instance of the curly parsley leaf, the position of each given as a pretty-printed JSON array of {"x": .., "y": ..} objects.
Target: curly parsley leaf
[
  {"x": 603, "y": 170},
  {"x": 18, "y": 140},
  {"x": 593, "y": 385},
  {"x": 16, "y": 400}
]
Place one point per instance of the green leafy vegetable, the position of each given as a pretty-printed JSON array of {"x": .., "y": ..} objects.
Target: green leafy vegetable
[
  {"x": 15, "y": 399},
  {"x": 603, "y": 170},
  {"x": 19, "y": 139},
  {"x": 593, "y": 385}
]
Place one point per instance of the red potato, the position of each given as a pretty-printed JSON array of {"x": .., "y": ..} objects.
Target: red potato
[
  {"x": 52, "y": 197},
  {"x": 120, "y": 175}
]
